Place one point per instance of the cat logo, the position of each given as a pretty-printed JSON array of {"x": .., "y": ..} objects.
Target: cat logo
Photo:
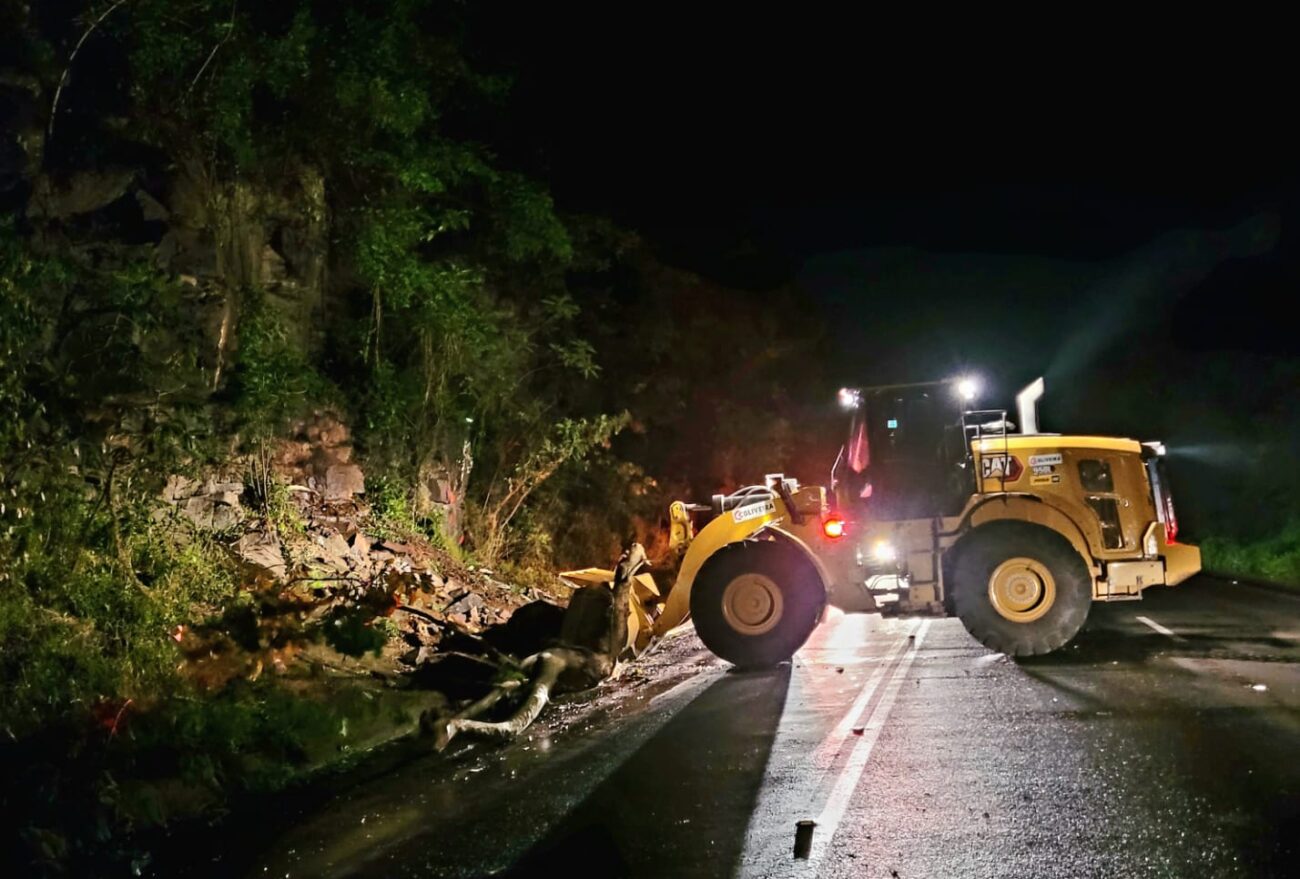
[{"x": 1006, "y": 468}]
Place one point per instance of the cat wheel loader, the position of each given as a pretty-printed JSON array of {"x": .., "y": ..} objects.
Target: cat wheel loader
[{"x": 932, "y": 508}]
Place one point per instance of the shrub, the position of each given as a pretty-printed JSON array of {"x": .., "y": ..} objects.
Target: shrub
[{"x": 1275, "y": 558}]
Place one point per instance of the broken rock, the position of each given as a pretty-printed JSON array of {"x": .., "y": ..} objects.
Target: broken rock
[
  {"x": 81, "y": 193},
  {"x": 210, "y": 513},
  {"x": 333, "y": 551},
  {"x": 471, "y": 601},
  {"x": 264, "y": 551},
  {"x": 343, "y": 481},
  {"x": 360, "y": 546},
  {"x": 178, "y": 488}
]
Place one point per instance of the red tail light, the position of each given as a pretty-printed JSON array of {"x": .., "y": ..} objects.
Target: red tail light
[
  {"x": 833, "y": 527},
  {"x": 1164, "y": 501}
]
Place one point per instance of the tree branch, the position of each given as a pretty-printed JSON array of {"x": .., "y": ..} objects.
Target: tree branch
[
  {"x": 221, "y": 42},
  {"x": 63, "y": 80},
  {"x": 549, "y": 663}
]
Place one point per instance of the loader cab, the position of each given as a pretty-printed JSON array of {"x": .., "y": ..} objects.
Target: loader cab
[{"x": 905, "y": 457}]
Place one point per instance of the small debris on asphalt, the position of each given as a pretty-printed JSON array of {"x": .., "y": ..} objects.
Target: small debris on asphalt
[
  {"x": 1259, "y": 688},
  {"x": 859, "y": 730}
]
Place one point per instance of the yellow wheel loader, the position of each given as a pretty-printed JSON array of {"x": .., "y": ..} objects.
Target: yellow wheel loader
[{"x": 932, "y": 508}]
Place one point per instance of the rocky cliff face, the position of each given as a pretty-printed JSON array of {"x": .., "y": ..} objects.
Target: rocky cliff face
[
  {"x": 121, "y": 202},
  {"x": 218, "y": 239}
]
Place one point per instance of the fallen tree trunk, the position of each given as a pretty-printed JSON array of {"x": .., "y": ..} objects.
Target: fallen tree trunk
[{"x": 592, "y": 637}]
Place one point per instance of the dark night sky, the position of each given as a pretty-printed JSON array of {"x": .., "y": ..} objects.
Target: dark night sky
[{"x": 946, "y": 199}]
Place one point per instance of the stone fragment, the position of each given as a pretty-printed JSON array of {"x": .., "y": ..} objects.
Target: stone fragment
[
  {"x": 333, "y": 551},
  {"x": 344, "y": 481},
  {"x": 471, "y": 601},
  {"x": 264, "y": 551},
  {"x": 179, "y": 487}
]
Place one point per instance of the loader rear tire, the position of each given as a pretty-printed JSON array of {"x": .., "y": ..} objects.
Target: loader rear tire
[
  {"x": 756, "y": 602},
  {"x": 1022, "y": 590}
]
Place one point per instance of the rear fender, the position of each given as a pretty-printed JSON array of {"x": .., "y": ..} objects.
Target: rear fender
[
  {"x": 1026, "y": 508},
  {"x": 1029, "y": 508}
]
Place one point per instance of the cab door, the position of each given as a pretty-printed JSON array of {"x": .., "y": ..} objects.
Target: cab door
[{"x": 1114, "y": 488}]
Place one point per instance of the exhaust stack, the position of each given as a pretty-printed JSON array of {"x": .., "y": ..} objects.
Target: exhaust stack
[{"x": 1027, "y": 406}]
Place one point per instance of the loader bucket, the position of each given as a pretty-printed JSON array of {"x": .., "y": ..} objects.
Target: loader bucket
[{"x": 646, "y": 602}]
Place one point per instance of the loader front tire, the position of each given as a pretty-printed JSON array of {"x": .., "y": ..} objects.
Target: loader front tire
[
  {"x": 755, "y": 603},
  {"x": 1022, "y": 590}
]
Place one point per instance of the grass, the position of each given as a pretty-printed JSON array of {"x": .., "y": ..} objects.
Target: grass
[
  {"x": 1275, "y": 558},
  {"x": 393, "y": 517}
]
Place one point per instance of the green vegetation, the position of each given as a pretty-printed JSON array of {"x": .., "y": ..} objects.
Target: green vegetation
[
  {"x": 1275, "y": 558},
  {"x": 91, "y": 586}
]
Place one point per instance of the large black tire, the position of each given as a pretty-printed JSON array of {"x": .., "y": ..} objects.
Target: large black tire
[
  {"x": 756, "y": 602},
  {"x": 1019, "y": 589}
]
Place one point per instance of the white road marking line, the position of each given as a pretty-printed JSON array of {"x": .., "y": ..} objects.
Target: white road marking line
[
  {"x": 830, "y": 746},
  {"x": 838, "y": 802},
  {"x": 804, "y": 752},
  {"x": 1147, "y": 621}
]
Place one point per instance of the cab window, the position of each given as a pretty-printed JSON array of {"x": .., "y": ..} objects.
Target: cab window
[
  {"x": 1107, "y": 510},
  {"x": 1094, "y": 475}
]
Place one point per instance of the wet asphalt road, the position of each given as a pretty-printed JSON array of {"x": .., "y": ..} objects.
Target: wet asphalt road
[{"x": 1163, "y": 742}]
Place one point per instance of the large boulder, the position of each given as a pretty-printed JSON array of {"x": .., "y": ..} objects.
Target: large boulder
[
  {"x": 528, "y": 630},
  {"x": 82, "y": 192}
]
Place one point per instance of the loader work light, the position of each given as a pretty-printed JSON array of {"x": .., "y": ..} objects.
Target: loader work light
[{"x": 968, "y": 388}]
